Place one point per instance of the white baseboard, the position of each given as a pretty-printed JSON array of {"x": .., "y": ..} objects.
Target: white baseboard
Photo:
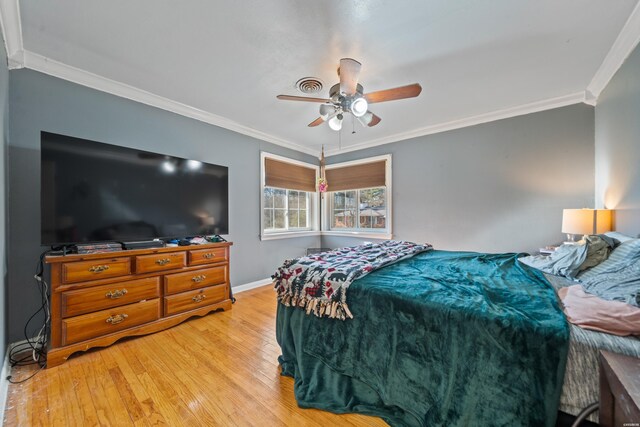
[{"x": 252, "y": 285}]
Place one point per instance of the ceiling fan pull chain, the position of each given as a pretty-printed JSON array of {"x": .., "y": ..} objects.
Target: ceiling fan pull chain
[{"x": 353, "y": 124}]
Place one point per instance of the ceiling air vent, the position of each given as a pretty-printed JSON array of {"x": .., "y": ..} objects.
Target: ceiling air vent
[{"x": 309, "y": 85}]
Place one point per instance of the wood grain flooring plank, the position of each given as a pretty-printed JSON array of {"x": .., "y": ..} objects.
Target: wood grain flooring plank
[
  {"x": 131, "y": 402},
  {"x": 83, "y": 396},
  {"x": 160, "y": 384},
  {"x": 110, "y": 409}
]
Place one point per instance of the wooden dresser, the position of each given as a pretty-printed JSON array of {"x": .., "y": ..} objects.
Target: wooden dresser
[{"x": 97, "y": 299}]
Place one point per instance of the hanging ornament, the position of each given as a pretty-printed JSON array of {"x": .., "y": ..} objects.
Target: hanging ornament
[
  {"x": 322, "y": 180},
  {"x": 322, "y": 185}
]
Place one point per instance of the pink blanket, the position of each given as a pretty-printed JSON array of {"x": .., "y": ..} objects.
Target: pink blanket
[{"x": 591, "y": 312}]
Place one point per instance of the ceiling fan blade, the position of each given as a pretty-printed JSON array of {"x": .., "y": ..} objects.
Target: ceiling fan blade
[
  {"x": 402, "y": 92},
  {"x": 302, "y": 98},
  {"x": 349, "y": 72},
  {"x": 316, "y": 122},
  {"x": 369, "y": 119},
  {"x": 374, "y": 121}
]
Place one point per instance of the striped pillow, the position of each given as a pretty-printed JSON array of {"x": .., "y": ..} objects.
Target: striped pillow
[
  {"x": 620, "y": 257},
  {"x": 618, "y": 236}
]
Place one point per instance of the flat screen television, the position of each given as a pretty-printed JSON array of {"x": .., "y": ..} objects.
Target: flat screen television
[{"x": 95, "y": 192}]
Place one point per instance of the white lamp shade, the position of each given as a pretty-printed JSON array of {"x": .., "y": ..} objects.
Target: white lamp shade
[
  {"x": 335, "y": 122},
  {"x": 586, "y": 221}
]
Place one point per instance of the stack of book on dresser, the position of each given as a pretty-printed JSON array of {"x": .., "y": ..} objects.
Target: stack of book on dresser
[{"x": 96, "y": 248}]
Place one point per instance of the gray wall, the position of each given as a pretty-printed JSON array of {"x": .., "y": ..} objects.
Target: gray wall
[
  {"x": 494, "y": 187},
  {"x": 40, "y": 102},
  {"x": 4, "y": 132},
  {"x": 617, "y": 141}
]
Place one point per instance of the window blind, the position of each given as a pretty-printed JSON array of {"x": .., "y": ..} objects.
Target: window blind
[
  {"x": 290, "y": 176},
  {"x": 365, "y": 175}
]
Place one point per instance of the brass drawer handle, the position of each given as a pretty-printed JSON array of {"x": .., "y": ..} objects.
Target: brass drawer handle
[
  {"x": 199, "y": 278},
  {"x": 163, "y": 261},
  {"x": 116, "y": 294},
  {"x": 207, "y": 256},
  {"x": 114, "y": 320},
  {"x": 98, "y": 268},
  {"x": 199, "y": 298}
]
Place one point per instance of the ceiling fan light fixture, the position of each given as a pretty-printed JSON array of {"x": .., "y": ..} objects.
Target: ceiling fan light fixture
[
  {"x": 348, "y": 96},
  {"x": 335, "y": 123},
  {"x": 359, "y": 107}
]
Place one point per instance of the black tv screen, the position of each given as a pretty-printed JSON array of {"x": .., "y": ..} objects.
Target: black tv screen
[{"x": 95, "y": 192}]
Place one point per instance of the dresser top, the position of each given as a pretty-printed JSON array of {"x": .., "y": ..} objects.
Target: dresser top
[{"x": 52, "y": 259}]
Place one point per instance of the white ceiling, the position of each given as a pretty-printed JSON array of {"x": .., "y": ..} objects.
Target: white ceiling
[{"x": 231, "y": 58}]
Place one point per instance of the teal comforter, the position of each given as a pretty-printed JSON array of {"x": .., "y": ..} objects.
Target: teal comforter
[{"x": 440, "y": 339}]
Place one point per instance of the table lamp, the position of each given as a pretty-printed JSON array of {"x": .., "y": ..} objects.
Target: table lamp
[{"x": 585, "y": 222}]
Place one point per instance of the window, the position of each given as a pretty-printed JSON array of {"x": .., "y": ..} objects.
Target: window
[
  {"x": 359, "y": 209},
  {"x": 343, "y": 209},
  {"x": 285, "y": 210},
  {"x": 360, "y": 202},
  {"x": 289, "y": 201}
]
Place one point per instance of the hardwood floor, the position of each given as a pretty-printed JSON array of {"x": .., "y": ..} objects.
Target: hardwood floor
[{"x": 219, "y": 370}]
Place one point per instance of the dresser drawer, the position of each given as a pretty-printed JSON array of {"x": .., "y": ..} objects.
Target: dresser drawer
[
  {"x": 97, "y": 298},
  {"x": 207, "y": 256},
  {"x": 99, "y": 269},
  {"x": 181, "y": 282},
  {"x": 194, "y": 299},
  {"x": 158, "y": 262},
  {"x": 80, "y": 328}
]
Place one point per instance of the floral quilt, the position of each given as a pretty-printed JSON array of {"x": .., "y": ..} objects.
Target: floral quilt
[{"x": 319, "y": 282}]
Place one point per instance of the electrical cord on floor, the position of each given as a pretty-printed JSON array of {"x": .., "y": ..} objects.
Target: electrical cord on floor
[
  {"x": 585, "y": 413},
  {"x": 34, "y": 349}
]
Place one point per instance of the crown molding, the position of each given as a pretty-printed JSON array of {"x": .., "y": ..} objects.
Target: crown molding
[
  {"x": 590, "y": 99},
  {"x": 520, "y": 110},
  {"x": 623, "y": 46},
  {"x": 12, "y": 32},
  {"x": 66, "y": 72}
]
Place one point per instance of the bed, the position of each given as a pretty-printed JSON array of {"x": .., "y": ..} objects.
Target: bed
[
  {"x": 446, "y": 338},
  {"x": 442, "y": 338},
  {"x": 581, "y": 380}
]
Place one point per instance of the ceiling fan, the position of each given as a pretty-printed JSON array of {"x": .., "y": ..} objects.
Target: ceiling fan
[{"x": 348, "y": 97}]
